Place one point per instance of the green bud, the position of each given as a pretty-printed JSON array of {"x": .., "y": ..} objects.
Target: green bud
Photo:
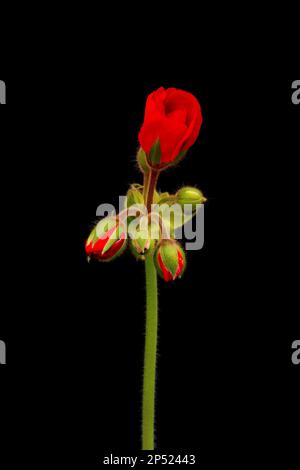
[
  {"x": 141, "y": 244},
  {"x": 189, "y": 195},
  {"x": 141, "y": 247},
  {"x": 134, "y": 196}
]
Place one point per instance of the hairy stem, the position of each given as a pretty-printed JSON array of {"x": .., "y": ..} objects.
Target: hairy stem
[
  {"x": 150, "y": 356},
  {"x": 146, "y": 185}
]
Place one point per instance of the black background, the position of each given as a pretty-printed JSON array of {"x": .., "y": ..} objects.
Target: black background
[{"x": 75, "y": 332}]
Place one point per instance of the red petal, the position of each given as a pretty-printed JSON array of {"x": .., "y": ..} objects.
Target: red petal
[
  {"x": 101, "y": 242},
  {"x": 180, "y": 264},
  {"x": 170, "y": 132},
  {"x": 179, "y": 99},
  {"x": 99, "y": 245},
  {"x": 113, "y": 249},
  {"x": 88, "y": 248},
  {"x": 97, "y": 248},
  {"x": 166, "y": 274}
]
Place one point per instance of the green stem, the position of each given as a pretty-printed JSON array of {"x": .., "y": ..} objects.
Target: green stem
[
  {"x": 146, "y": 184},
  {"x": 150, "y": 356}
]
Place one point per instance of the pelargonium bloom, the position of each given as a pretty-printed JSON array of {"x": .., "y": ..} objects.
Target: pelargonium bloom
[{"x": 172, "y": 123}]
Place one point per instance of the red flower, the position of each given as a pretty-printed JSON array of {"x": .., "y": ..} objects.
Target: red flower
[
  {"x": 171, "y": 125},
  {"x": 107, "y": 240},
  {"x": 170, "y": 260}
]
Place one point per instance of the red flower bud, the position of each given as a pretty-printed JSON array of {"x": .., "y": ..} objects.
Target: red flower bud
[
  {"x": 170, "y": 260},
  {"x": 171, "y": 125},
  {"x": 106, "y": 241}
]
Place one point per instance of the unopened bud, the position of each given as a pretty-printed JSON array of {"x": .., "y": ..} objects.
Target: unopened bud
[
  {"x": 134, "y": 197},
  {"x": 189, "y": 195},
  {"x": 170, "y": 260},
  {"x": 142, "y": 242},
  {"x": 107, "y": 240}
]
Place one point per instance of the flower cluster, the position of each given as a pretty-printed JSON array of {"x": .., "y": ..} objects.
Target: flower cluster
[{"x": 171, "y": 125}]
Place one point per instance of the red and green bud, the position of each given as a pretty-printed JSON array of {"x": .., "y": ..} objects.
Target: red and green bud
[
  {"x": 189, "y": 195},
  {"x": 170, "y": 260},
  {"x": 107, "y": 240}
]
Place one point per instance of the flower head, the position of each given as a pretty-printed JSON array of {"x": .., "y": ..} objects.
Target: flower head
[{"x": 171, "y": 125}]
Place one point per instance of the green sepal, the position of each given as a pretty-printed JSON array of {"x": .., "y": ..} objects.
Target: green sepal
[
  {"x": 164, "y": 195},
  {"x": 177, "y": 217},
  {"x": 155, "y": 197},
  {"x": 115, "y": 236},
  {"x": 179, "y": 157},
  {"x": 169, "y": 256},
  {"x": 104, "y": 225},
  {"x": 155, "y": 154},
  {"x": 138, "y": 256},
  {"x": 167, "y": 198},
  {"x": 142, "y": 243},
  {"x": 116, "y": 255},
  {"x": 112, "y": 239},
  {"x": 93, "y": 237},
  {"x": 142, "y": 161}
]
